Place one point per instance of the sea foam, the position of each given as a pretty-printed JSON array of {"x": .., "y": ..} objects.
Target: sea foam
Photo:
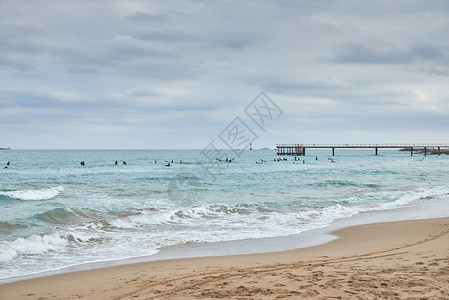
[
  {"x": 35, "y": 244},
  {"x": 34, "y": 195}
]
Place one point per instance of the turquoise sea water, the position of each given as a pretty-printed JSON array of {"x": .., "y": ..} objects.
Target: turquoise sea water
[{"x": 55, "y": 212}]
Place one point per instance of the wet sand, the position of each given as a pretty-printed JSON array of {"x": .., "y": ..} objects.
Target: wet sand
[{"x": 397, "y": 260}]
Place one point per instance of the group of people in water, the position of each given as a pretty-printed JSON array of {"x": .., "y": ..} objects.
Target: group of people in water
[
  {"x": 296, "y": 161},
  {"x": 83, "y": 163},
  {"x": 169, "y": 163}
]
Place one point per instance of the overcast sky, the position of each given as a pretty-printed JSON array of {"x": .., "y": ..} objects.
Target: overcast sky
[{"x": 174, "y": 74}]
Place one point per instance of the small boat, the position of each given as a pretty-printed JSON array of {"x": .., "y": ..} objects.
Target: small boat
[{"x": 5, "y": 148}]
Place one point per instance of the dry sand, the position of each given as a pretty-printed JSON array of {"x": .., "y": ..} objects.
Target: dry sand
[{"x": 400, "y": 260}]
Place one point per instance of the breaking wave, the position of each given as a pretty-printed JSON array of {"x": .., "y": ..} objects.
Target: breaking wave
[
  {"x": 35, "y": 244},
  {"x": 34, "y": 195}
]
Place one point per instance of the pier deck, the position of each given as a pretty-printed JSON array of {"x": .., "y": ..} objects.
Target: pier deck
[{"x": 300, "y": 149}]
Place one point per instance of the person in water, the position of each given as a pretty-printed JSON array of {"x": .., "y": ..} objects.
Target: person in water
[
  {"x": 124, "y": 162},
  {"x": 116, "y": 162},
  {"x": 82, "y": 163},
  {"x": 8, "y": 163}
]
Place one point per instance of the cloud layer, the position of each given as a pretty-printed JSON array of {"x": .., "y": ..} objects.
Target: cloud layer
[{"x": 173, "y": 74}]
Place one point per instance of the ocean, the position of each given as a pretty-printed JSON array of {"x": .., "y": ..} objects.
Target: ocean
[{"x": 56, "y": 213}]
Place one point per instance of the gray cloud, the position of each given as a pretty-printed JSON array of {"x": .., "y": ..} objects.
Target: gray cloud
[
  {"x": 240, "y": 40},
  {"x": 192, "y": 66},
  {"x": 165, "y": 36},
  {"x": 374, "y": 53},
  {"x": 436, "y": 71},
  {"x": 142, "y": 16},
  {"x": 357, "y": 52},
  {"x": 19, "y": 32},
  {"x": 280, "y": 85},
  {"x": 16, "y": 63},
  {"x": 81, "y": 70}
]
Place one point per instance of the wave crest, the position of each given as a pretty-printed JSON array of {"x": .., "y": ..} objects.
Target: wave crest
[
  {"x": 64, "y": 215},
  {"x": 34, "y": 195},
  {"x": 35, "y": 244}
]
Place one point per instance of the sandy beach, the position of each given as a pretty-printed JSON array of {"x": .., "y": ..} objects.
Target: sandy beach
[{"x": 398, "y": 260}]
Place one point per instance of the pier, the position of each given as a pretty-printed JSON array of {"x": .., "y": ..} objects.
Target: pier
[{"x": 300, "y": 149}]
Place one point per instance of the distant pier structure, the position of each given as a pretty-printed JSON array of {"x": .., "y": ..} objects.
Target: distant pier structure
[
  {"x": 286, "y": 149},
  {"x": 300, "y": 149}
]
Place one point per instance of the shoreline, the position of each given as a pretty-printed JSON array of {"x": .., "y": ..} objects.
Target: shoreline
[
  {"x": 393, "y": 259},
  {"x": 305, "y": 239}
]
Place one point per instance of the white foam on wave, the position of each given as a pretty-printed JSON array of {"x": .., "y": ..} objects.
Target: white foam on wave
[
  {"x": 234, "y": 222},
  {"x": 200, "y": 224},
  {"x": 378, "y": 202},
  {"x": 407, "y": 198},
  {"x": 34, "y": 195},
  {"x": 184, "y": 215},
  {"x": 35, "y": 244},
  {"x": 302, "y": 219},
  {"x": 142, "y": 219}
]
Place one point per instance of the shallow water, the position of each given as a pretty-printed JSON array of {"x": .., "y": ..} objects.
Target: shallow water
[{"x": 56, "y": 212}]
